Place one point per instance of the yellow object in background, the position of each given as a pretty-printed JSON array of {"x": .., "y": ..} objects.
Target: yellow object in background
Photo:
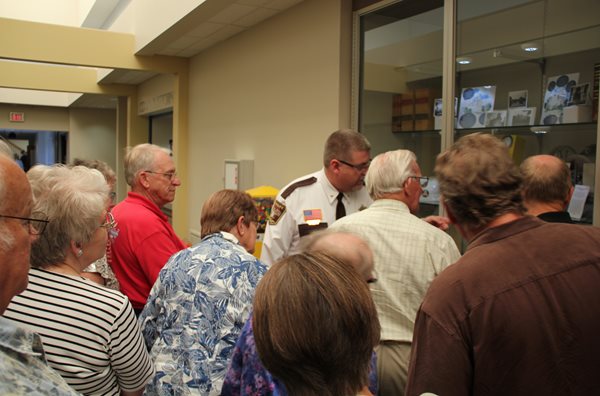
[
  {"x": 516, "y": 147},
  {"x": 263, "y": 197}
]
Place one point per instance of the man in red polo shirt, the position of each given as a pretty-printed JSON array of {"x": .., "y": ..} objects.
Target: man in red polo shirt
[{"x": 146, "y": 240}]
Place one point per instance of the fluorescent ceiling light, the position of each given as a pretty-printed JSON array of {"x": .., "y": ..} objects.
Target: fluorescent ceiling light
[{"x": 463, "y": 60}]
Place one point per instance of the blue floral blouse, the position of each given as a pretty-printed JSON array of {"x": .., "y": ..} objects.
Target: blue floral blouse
[{"x": 195, "y": 313}]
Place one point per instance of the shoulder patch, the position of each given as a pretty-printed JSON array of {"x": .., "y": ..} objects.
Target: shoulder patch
[
  {"x": 277, "y": 211},
  {"x": 299, "y": 183}
]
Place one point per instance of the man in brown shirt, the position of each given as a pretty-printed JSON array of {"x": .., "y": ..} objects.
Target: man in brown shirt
[{"x": 519, "y": 313}]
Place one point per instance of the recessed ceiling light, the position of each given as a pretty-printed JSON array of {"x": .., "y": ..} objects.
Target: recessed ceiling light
[
  {"x": 530, "y": 47},
  {"x": 463, "y": 60}
]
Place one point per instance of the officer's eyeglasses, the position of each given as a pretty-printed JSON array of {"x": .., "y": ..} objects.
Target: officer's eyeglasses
[{"x": 358, "y": 167}]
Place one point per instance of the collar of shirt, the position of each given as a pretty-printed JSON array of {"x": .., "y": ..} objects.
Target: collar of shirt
[
  {"x": 140, "y": 199},
  {"x": 225, "y": 235},
  {"x": 493, "y": 234},
  {"x": 330, "y": 191},
  {"x": 390, "y": 203}
]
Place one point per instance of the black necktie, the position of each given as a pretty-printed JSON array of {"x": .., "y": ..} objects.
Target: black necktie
[{"x": 340, "y": 210}]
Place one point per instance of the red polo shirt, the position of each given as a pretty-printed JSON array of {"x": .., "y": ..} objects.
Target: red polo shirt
[{"x": 145, "y": 242}]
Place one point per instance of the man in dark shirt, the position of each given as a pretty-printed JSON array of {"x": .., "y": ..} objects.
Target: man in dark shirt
[
  {"x": 547, "y": 188},
  {"x": 519, "y": 313}
]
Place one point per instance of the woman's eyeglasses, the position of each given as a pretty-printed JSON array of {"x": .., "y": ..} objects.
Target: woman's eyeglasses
[{"x": 111, "y": 225}]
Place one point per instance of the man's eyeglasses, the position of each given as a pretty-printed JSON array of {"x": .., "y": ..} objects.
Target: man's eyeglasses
[
  {"x": 35, "y": 226},
  {"x": 168, "y": 175},
  {"x": 423, "y": 180},
  {"x": 359, "y": 167},
  {"x": 111, "y": 225}
]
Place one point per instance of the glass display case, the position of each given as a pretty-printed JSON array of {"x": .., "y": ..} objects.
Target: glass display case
[{"x": 525, "y": 71}]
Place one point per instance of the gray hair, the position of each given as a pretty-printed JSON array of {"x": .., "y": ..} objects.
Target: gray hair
[
  {"x": 103, "y": 167},
  {"x": 479, "y": 180},
  {"x": 72, "y": 199},
  {"x": 388, "y": 172},
  {"x": 340, "y": 145},
  {"x": 140, "y": 158}
]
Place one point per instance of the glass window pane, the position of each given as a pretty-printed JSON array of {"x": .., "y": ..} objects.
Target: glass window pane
[
  {"x": 526, "y": 72},
  {"x": 401, "y": 78}
]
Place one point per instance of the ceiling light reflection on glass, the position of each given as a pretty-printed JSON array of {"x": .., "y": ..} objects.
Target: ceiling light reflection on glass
[{"x": 463, "y": 60}]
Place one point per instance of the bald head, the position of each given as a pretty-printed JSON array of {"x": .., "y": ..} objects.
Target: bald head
[
  {"x": 344, "y": 246},
  {"x": 15, "y": 240},
  {"x": 546, "y": 182}
]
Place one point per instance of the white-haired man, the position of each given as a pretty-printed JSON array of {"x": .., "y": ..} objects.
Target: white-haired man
[
  {"x": 146, "y": 240},
  {"x": 408, "y": 254}
]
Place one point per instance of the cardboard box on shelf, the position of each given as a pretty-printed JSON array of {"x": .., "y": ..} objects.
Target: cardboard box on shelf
[
  {"x": 424, "y": 124},
  {"x": 577, "y": 113}
]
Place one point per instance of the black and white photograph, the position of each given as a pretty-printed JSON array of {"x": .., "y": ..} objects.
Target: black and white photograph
[
  {"x": 521, "y": 116},
  {"x": 579, "y": 94},
  {"x": 517, "y": 99},
  {"x": 496, "y": 118},
  {"x": 437, "y": 108}
]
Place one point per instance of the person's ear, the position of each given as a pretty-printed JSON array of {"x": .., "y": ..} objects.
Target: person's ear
[
  {"x": 334, "y": 165},
  {"x": 569, "y": 196},
  {"x": 241, "y": 226},
  {"x": 143, "y": 179},
  {"x": 449, "y": 213},
  {"x": 76, "y": 248}
]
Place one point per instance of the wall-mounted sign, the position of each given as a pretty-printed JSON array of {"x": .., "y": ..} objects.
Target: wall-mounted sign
[{"x": 16, "y": 116}]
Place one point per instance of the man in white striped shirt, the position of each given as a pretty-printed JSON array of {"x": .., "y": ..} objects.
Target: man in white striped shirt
[{"x": 408, "y": 254}]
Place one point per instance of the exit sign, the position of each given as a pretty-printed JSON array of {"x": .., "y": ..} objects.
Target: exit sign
[{"x": 16, "y": 116}]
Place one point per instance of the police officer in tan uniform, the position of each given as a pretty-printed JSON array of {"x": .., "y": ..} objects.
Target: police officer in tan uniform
[{"x": 315, "y": 201}]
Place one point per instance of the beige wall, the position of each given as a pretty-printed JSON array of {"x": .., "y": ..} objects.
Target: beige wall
[
  {"x": 92, "y": 135},
  {"x": 270, "y": 94},
  {"x": 156, "y": 94},
  {"x": 92, "y": 132},
  {"x": 37, "y": 118}
]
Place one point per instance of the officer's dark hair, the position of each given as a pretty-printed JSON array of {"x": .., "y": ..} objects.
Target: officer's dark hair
[{"x": 340, "y": 144}]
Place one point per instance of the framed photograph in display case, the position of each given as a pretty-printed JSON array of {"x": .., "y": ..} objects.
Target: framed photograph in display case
[
  {"x": 517, "y": 99},
  {"x": 496, "y": 118},
  {"x": 556, "y": 97},
  {"x": 474, "y": 103},
  {"x": 521, "y": 116},
  {"x": 579, "y": 95}
]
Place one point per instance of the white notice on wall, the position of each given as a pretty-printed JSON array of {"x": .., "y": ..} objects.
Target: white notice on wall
[
  {"x": 578, "y": 201},
  {"x": 231, "y": 175}
]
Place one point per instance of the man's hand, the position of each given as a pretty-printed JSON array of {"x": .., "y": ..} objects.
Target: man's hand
[{"x": 438, "y": 221}]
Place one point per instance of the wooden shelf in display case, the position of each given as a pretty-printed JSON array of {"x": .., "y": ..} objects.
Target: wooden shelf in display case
[{"x": 413, "y": 111}]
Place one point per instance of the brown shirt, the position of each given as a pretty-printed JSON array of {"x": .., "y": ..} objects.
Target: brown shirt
[{"x": 518, "y": 314}]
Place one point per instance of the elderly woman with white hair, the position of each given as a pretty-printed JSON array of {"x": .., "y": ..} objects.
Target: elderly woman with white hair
[{"x": 89, "y": 332}]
